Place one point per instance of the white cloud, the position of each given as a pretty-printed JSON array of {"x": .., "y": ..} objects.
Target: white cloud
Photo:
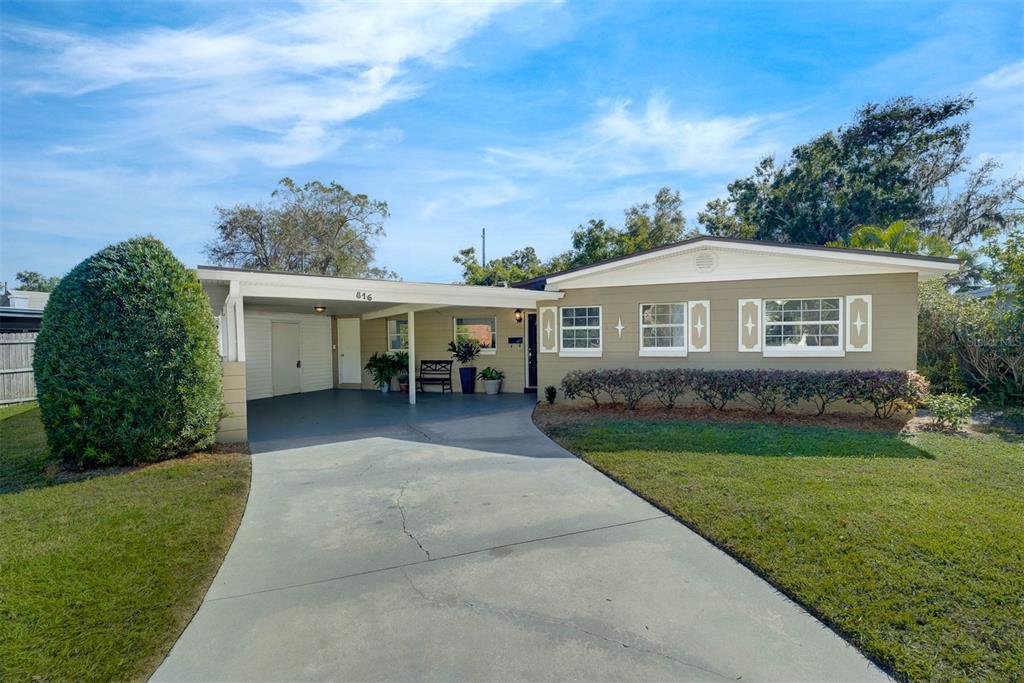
[
  {"x": 284, "y": 82},
  {"x": 1010, "y": 76},
  {"x": 622, "y": 141}
]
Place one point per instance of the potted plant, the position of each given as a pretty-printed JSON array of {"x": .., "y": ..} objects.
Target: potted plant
[
  {"x": 382, "y": 368},
  {"x": 402, "y": 370},
  {"x": 464, "y": 351},
  {"x": 492, "y": 380}
]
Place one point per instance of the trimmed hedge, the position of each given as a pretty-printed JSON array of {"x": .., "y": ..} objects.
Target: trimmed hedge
[
  {"x": 127, "y": 362},
  {"x": 886, "y": 391}
]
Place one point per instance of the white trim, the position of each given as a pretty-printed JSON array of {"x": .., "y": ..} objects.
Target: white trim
[
  {"x": 804, "y": 351},
  {"x": 663, "y": 351},
  {"x": 397, "y": 311},
  {"x": 587, "y": 352},
  {"x": 740, "y": 323},
  {"x": 707, "y": 323},
  {"x": 866, "y": 298},
  {"x": 541, "y": 347},
  {"x": 483, "y": 351},
  {"x": 838, "y": 255}
]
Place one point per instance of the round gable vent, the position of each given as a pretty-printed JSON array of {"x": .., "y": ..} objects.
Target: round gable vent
[{"x": 706, "y": 261}]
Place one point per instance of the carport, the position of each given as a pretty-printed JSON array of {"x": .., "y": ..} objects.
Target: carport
[{"x": 253, "y": 307}]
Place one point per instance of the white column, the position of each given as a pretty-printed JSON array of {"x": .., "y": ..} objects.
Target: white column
[
  {"x": 234, "y": 322},
  {"x": 412, "y": 357}
]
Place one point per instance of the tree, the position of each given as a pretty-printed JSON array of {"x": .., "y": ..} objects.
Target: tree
[
  {"x": 315, "y": 228},
  {"x": 31, "y": 281},
  {"x": 899, "y": 237},
  {"x": 891, "y": 164},
  {"x": 127, "y": 363},
  {"x": 521, "y": 264}
]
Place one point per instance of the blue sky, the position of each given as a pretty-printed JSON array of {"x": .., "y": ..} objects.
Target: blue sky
[{"x": 132, "y": 118}]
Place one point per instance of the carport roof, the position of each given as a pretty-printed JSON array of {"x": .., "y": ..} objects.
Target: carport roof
[{"x": 270, "y": 286}]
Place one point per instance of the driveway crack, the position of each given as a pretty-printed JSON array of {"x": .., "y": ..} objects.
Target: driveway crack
[
  {"x": 511, "y": 613},
  {"x": 405, "y": 528}
]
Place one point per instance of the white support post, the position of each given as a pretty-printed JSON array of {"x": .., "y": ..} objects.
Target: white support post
[
  {"x": 234, "y": 320},
  {"x": 412, "y": 357}
]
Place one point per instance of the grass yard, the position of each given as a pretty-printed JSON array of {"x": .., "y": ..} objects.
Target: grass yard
[
  {"x": 99, "y": 575},
  {"x": 912, "y": 547}
]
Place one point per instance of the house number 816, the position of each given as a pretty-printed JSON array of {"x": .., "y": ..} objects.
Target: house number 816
[{"x": 365, "y": 296}]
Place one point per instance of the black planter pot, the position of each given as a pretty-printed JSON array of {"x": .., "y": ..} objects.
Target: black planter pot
[{"x": 467, "y": 376}]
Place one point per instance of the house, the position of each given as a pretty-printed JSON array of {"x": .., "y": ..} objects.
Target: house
[
  {"x": 22, "y": 311},
  {"x": 706, "y": 302}
]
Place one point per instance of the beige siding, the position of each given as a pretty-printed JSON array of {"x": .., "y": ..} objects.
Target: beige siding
[
  {"x": 233, "y": 426},
  {"x": 894, "y": 320},
  {"x": 435, "y": 328}
]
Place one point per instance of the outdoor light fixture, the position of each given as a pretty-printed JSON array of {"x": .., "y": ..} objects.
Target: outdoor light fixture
[
  {"x": 519, "y": 315},
  {"x": 319, "y": 309}
]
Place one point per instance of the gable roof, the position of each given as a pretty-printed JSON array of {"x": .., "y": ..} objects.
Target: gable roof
[{"x": 928, "y": 265}]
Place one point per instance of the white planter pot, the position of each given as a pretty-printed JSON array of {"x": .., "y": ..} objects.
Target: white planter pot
[{"x": 492, "y": 386}]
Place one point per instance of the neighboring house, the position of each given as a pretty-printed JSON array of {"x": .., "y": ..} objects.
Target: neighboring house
[
  {"x": 22, "y": 311},
  {"x": 705, "y": 302}
]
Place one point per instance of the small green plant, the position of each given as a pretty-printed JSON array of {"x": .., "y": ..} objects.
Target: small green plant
[
  {"x": 464, "y": 350},
  {"x": 550, "y": 392},
  {"x": 382, "y": 367},
  {"x": 950, "y": 411},
  {"x": 401, "y": 361},
  {"x": 491, "y": 373}
]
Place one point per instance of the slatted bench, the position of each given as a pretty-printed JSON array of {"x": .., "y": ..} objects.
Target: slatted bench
[{"x": 435, "y": 372}]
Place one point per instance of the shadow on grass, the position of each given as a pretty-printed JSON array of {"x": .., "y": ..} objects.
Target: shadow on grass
[
  {"x": 25, "y": 460},
  {"x": 765, "y": 440}
]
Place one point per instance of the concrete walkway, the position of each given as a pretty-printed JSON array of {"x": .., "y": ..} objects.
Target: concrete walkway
[{"x": 444, "y": 557}]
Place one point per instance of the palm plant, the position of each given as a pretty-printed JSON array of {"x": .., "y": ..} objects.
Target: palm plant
[{"x": 900, "y": 237}]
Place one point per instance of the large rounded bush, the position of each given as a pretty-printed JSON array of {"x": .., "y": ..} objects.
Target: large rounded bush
[{"x": 127, "y": 363}]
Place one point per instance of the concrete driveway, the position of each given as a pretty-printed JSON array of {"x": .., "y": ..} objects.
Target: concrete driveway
[{"x": 444, "y": 557}]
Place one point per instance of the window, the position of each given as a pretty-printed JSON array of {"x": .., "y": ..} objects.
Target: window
[
  {"x": 663, "y": 329},
  {"x": 581, "y": 331},
  {"x": 398, "y": 335},
  {"x": 484, "y": 330},
  {"x": 803, "y": 327}
]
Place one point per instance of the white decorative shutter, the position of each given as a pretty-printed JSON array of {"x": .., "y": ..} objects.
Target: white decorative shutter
[
  {"x": 858, "y": 322},
  {"x": 698, "y": 314},
  {"x": 749, "y": 325},
  {"x": 547, "y": 330}
]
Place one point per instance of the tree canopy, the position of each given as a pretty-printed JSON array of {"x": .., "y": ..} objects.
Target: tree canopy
[
  {"x": 31, "y": 281},
  {"x": 313, "y": 228},
  {"x": 901, "y": 237},
  {"x": 647, "y": 225},
  {"x": 896, "y": 161}
]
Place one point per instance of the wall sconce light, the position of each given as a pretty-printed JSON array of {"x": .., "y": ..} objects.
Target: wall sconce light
[
  {"x": 519, "y": 315},
  {"x": 319, "y": 309}
]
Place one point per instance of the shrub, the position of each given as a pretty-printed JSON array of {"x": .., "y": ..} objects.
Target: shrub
[
  {"x": 550, "y": 392},
  {"x": 669, "y": 384},
  {"x": 950, "y": 411},
  {"x": 888, "y": 391},
  {"x": 632, "y": 385},
  {"x": 768, "y": 388},
  {"x": 583, "y": 384},
  {"x": 127, "y": 362},
  {"x": 716, "y": 387},
  {"x": 821, "y": 387}
]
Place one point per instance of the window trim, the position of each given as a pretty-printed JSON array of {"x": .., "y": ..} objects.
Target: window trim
[
  {"x": 494, "y": 331},
  {"x": 581, "y": 353},
  {"x": 664, "y": 351},
  {"x": 804, "y": 351},
  {"x": 389, "y": 335}
]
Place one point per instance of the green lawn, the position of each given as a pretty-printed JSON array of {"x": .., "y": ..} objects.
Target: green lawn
[
  {"x": 911, "y": 547},
  {"x": 99, "y": 576}
]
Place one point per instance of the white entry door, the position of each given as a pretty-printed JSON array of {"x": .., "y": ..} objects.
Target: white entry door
[
  {"x": 284, "y": 358},
  {"x": 350, "y": 369}
]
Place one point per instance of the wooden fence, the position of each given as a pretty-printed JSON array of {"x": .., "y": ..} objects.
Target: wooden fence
[{"x": 17, "y": 383}]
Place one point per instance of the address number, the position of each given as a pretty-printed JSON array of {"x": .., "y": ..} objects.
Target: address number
[{"x": 365, "y": 296}]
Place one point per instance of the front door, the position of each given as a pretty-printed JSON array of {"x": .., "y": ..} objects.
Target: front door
[
  {"x": 349, "y": 368},
  {"x": 284, "y": 358},
  {"x": 531, "y": 351}
]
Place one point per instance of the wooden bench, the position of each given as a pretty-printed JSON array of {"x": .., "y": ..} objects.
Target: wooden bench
[{"x": 437, "y": 372}]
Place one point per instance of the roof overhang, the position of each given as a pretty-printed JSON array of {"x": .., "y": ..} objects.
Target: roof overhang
[
  {"x": 372, "y": 298},
  {"x": 852, "y": 261}
]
